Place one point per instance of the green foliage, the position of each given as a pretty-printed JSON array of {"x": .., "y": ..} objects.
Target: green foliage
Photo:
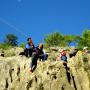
[
  {"x": 68, "y": 39},
  {"x": 63, "y": 43},
  {"x": 57, "y": 39},
  {"x": 5, "y": 46},
  {"x": 22, "y": 45},
  {"x": 77, "y": 39},
  {"x": 85, "y": 39},
  {"x": 11, "y": 40},
  {"x": 71, "y": 38},
  {"x": 53, "y": 39}
]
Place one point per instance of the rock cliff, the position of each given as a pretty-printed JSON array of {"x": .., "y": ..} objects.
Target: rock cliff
[{"x": 49, "y": 75}]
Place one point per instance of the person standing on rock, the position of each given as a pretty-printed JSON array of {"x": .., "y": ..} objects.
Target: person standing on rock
[
  {"x": 37, "y": 54},
  {"x": 29, "y": 48},
  {"x": 31, "y": 43}
]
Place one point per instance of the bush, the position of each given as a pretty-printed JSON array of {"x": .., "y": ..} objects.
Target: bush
[
  {"x": 85, "y": 39},
  {"x": 53, "y": 39},
  {"x": 22, "y": 45},
  {"x": 5, "y": 46}
]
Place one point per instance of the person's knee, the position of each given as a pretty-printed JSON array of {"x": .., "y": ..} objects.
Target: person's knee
[{"x": 46, "y": 56}]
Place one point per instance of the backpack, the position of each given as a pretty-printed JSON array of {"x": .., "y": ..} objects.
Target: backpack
[{"x": 64, "y": 58}]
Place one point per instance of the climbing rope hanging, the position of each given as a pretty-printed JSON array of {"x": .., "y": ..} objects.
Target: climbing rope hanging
[{"x": 12, "y": 26}]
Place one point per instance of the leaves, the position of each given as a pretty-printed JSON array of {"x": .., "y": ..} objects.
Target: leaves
[
  {"x": 53, "y": 39},
  {"x": 85, "y": 39},
  {"x": 57, "y": 39},
  {"x": 11, "y": 39}
]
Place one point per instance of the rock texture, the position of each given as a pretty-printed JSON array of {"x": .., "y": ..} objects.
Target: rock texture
[{"x": 49, "y": 75}]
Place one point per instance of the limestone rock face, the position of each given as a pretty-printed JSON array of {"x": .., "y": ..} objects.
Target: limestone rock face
[{"x": 49, "y": 75}]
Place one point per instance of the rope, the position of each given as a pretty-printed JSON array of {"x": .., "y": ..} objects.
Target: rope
[{"x": 12, "y": 26}]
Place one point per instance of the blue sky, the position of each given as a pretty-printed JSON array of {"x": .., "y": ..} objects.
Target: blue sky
[{"x": 36, "y": 18}]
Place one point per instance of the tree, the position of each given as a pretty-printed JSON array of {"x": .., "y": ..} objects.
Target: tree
[
  {"x": 77, "y": 39},
  {"x": 57, "y": 39},
  {"x": 69, "y": 39},
  {"x": 53, "y": 39},
  {"x": 85, "y": 39},
  {"x": 11, "y": 39}
]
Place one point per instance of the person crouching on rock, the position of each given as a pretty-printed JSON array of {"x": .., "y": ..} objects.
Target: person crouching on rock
[
  {"x": 29, "y": 48},
  {"x": 38, "y": 54},
  {"x": 63, "y": 57},
  {"x": 42, "y": 55}
]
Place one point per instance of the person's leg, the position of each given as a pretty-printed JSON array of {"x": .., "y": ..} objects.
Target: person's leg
[
  {"x": 41, "y": 57},
  {"x": 45, "y": 56},
  {"x": 29, "y": 52},
  {"x": 26, "y": 52},
  {"x": 33, "y": 62},
  {"x": 35, "y": 65},
  {"x": 31, "y": 66}
]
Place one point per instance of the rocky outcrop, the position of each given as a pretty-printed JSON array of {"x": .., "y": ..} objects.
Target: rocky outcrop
[{"x": 49, "y": 75}]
